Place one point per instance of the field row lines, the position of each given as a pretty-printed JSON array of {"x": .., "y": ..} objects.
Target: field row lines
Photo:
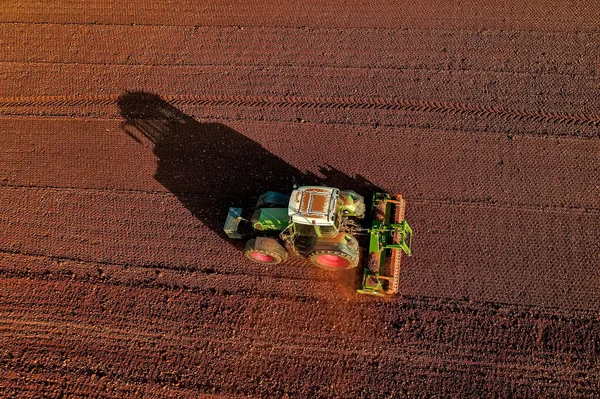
[{"x": 337, "y": 103}]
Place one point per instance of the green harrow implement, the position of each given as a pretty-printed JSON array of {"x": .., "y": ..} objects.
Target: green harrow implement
[{"x": 390, "y": 236}]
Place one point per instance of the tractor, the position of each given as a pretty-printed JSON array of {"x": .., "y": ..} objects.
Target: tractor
[{"x": 326, "y": 226}]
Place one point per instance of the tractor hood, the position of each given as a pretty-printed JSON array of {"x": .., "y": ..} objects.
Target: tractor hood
[{"x": 313, "y": 205}]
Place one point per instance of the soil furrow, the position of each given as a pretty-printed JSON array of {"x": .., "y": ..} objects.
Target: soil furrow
[{"x": 350, "y": 119}]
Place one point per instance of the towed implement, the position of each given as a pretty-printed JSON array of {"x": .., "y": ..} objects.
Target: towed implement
[{"x": 332, "y": 229}]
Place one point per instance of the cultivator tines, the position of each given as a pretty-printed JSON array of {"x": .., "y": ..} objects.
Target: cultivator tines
[{"x": 390, "y": 236}]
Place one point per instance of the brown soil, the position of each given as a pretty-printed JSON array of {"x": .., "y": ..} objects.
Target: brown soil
[{"x": 128, "y": 131}]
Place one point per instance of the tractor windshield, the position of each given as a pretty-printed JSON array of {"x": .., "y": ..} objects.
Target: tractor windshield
[
  {"x": 306, "y": 230},
  {"x": 328, "y": 231},
  {"x": 311, "y": 230}
]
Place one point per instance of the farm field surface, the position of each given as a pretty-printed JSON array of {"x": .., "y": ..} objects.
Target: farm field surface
[{"x": 128, "y": 130}]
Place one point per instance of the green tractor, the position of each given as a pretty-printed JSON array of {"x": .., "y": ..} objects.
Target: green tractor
[{"x": 325, "y": 226}]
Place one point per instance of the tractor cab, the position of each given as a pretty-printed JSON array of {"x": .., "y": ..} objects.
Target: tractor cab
[
  {"x": 314, "y": 211},
  {"x": 316, "y": 215}
]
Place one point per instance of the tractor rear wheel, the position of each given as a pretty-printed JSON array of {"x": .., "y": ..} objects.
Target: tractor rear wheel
[
  {"x": 333, "y": 260},
  {"x": 266, "y": 251}
]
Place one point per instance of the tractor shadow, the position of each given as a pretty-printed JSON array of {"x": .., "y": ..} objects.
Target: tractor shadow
[{"x": 209, "y": 166}]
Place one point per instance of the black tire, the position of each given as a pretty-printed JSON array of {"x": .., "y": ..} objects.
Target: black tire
[
  {"x": 333, "y": 260},
  {"x": 266, "y": 252}
]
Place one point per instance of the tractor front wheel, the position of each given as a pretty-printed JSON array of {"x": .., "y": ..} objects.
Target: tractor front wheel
[
  {"x": 333, "y": 260},
  {"x": 266, "y": 251}
]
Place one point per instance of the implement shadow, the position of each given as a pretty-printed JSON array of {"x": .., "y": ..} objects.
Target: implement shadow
[{"x": 210, "y": 166}]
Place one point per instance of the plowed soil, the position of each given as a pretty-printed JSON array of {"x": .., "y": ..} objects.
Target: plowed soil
[{"x": 129, "y": 128}]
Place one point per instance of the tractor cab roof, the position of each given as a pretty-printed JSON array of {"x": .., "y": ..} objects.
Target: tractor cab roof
[{"x": 313, "y": 205}]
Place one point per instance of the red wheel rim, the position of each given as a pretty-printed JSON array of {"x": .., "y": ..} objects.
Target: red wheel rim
[
  {"x": 262, "y": 257},
  {"x": 332, "y": 261}
]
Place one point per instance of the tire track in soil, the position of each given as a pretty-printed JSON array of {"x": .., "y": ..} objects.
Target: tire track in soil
[
  {"x": 350, "y": 119},
  {"x": 345, "y": 103},
  {"x": 575, "y": 95}
]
